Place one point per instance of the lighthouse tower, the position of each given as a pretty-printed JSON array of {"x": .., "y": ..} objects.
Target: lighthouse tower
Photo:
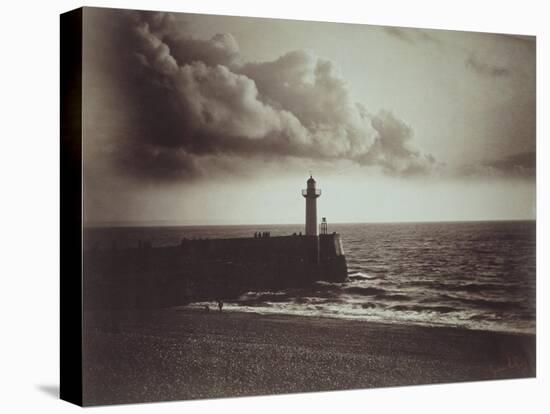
[{"x": 311, "y": 193}]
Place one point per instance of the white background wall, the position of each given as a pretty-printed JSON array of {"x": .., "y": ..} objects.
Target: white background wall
[{"x": 29, "y": 190}]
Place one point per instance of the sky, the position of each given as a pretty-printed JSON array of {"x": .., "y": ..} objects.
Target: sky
[{"x": 203, "y": 119}]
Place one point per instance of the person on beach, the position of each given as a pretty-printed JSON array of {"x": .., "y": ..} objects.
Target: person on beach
[{"x": 220, "y": 305}]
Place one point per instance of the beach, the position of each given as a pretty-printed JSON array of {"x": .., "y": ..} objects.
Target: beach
[{"x": 156, "y": 355}]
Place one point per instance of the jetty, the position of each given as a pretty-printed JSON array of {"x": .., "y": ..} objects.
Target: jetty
[{"x": 213, "y": 269}]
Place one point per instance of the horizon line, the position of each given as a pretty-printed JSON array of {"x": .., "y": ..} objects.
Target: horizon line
[{"x": 169, "y": 223}]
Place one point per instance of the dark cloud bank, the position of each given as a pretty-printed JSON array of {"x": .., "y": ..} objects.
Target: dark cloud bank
[
  {"x": 194, "y": 106},
  {"x": 411, "y": 36},
  {"x": 485, "y": 69},
  {"x": 522, "y": 165}
]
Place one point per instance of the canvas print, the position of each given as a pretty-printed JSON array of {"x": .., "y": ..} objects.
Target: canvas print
[{"x": 276, "y": 206}]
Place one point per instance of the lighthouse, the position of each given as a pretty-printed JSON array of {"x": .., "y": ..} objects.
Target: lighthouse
[{"x": 311, "y": 194}]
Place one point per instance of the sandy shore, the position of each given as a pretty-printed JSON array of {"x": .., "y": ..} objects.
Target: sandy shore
[{"x": 172, "y": 355}]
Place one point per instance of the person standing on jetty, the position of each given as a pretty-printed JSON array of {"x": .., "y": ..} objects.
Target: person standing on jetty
[{"x": 220, "y": 305}]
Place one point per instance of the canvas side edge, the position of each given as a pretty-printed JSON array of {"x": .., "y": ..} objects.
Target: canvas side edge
[{"x": 71, "y": 207}]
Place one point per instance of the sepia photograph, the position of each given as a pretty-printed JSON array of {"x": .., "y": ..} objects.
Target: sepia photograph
[{"x": 275, "y": 206}]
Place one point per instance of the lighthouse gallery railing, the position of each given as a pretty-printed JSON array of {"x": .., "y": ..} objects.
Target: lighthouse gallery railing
[{"x": 316, "y": 192}]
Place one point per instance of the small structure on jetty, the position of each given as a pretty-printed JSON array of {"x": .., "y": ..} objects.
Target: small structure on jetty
[{"x": 210, "y": 269}]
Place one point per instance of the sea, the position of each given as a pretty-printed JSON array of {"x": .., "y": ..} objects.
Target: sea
[{"x": 476, "y": 275}]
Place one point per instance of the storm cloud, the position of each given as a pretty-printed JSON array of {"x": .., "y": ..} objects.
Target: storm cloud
[
  {"x": 410, "y": 36},
  {"x": 482, "y": 68},
  {"x": 521, "y": 165},
  {"x": 194, "y": 104}
]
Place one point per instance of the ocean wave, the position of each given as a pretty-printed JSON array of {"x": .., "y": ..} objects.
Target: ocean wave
[
  {"x": 485, "y": 303},
  {"x": 364, "y": 291},
  {"x": 393, "y": 296},
  {"x": 370, "y": 305},
  {"x": 480, "y": 287},
  {"x": 362, "y": 276},
  {"x": 322, "y": 285},
  {"x": 420, "y": 308},
  {"x": 266, "y": 296},
  {"x": 464, "y": 287},
  {"x": 317, "y": 301}
]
